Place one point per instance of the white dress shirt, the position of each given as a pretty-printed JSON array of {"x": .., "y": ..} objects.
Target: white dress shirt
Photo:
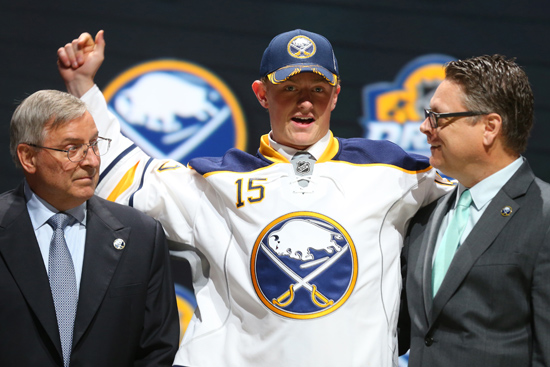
[{"x": 482, "y": 194}]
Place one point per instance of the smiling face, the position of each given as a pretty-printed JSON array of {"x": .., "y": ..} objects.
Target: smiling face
[
  {"x": 299, "y": 108},
  {"x": 51, "y": 175},
  {"x": 457, "y": 145}
]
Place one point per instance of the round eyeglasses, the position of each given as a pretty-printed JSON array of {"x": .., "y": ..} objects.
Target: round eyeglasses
[
  {"x": 434, "y": 116},
  {"x": 77, "y": 153}
]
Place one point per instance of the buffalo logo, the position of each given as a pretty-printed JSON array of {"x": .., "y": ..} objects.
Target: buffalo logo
[
  {"x": 176, "y": 110},
  {"x": 395, "y": 110},
  {"x": 301, "y": 47},
  {"x": 304, "y": 265}
]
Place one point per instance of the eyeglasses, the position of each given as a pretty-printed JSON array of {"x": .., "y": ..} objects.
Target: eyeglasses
[
  {"x": 434, "y": 116},
  {"x": 78, "y": 152}
]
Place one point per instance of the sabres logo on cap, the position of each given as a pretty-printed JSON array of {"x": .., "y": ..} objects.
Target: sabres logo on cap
[
  {"x": 301, "y": 47},
  {"x": 304, "y": 265}
]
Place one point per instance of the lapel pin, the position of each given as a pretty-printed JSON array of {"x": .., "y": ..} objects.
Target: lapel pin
[
  {"x": 119, "y": 244},
  {"x": 506, "y": 211}
]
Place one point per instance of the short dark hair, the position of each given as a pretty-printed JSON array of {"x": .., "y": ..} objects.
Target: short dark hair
[{"x": 497, "y": 84}]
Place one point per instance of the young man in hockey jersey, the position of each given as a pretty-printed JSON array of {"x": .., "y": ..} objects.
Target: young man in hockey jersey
[{"x": 294, "y": 250}]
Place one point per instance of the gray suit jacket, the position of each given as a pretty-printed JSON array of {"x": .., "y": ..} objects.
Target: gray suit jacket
[
  {"x": 126, "y": 313},
  {"x": 493, "y": 307}
]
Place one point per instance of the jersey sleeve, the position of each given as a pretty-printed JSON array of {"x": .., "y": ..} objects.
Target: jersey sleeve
[
  {"x": 107, "y": 125},
  {"x": 434, "y": 186},
  {"x": 162, "y": 188}
]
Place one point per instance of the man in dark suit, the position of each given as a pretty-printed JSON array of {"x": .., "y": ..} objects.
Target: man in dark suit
[
  {"x": 83, "y": 282},
  {"x": 477, "y": 262}
]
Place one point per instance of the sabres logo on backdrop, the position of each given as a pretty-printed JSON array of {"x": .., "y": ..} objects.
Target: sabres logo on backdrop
[
  {"x": 395, "y": 110},
  {"x": 177, "y": 110},
  {"x": 304, "y": 265}
]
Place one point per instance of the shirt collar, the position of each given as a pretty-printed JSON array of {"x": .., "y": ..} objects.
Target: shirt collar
[
  {"x": 40, "y": 211},
  {"x": 316, "y": 150},
  {"x": 484, "y": 191}
]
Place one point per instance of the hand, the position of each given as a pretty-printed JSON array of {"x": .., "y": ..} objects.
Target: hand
[{"x": 79, "y": 61}]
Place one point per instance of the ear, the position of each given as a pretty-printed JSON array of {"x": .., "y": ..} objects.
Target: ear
[
  {"x": 335, "y": 97},
  {"x": 259, "y": 89},
  {"x": 492, "y": 128},
  {"x": 27, "y": 158}
]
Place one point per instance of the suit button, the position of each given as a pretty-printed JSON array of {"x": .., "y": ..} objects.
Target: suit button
[{"x": 428, "y": 341}]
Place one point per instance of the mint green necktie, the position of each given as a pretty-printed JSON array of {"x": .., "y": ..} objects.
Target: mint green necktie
[{"x": 451, "y": 239}]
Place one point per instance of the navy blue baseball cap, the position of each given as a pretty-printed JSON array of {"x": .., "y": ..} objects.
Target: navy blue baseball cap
[{"x": 299, "y": 51}]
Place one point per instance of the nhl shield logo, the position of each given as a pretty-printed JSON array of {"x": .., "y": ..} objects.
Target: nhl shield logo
[
  {"x": 303, "y": 167},
  {"x": 304, "y": 265},
  {"x": 176, "y": 110}
]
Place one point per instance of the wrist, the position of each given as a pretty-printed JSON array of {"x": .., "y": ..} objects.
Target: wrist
[{"x": 79, "y": 87}]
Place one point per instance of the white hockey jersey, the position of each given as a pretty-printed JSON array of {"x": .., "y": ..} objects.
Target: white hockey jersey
[{"x": 284, "y": 274}]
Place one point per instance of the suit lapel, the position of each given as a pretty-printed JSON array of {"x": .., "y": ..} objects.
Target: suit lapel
[
  {"x": 100, "y": 262},
  {"x": 482, "y": 236},
  {"x": 21, "y": 253}
]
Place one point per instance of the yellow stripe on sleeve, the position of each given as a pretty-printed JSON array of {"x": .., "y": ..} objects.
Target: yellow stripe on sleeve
[{"x": 124, "y": 183}]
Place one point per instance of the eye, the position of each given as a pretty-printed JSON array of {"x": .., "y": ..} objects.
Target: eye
[
  {"x": 73, "y": 147},
  {"x": 319, "y": 89},
  {"x": 290, "y": 88}
]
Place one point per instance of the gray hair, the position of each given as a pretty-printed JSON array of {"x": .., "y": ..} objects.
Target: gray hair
[{"x": 37, "y": 110}]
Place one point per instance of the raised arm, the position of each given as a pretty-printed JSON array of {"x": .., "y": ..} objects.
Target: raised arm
[
  {"x": 79, "y": 61},
  {"x": 158, "y": 187}
]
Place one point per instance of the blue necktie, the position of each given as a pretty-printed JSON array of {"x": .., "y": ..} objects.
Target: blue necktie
[
  {"x": 62, "y": 283},
  {"x": 451, "y": 239}
]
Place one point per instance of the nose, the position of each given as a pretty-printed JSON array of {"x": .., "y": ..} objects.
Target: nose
[
  {"x": 90, "y": 158},
  {"x": 305, "y": 100},
  {"x": 426, "y": 127}
]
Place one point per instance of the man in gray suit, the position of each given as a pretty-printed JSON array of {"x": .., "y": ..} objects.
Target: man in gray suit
[{"x": 477, "y": 262}]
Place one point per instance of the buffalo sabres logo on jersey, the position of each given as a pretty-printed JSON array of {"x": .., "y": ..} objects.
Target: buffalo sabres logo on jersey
[
  {"x": 301, "y": 47},
  {"x": 304, "y": 265}
]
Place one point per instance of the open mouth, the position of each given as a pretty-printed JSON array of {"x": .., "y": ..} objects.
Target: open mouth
[{"x": 303, "y": 120}]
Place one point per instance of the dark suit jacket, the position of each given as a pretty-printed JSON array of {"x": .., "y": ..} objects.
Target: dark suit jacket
[
  {"x": 493, "y": 307},
  {"x": 126, "y": 313}
]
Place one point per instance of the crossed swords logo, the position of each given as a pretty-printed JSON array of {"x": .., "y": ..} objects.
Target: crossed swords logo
[
  {"x": 301, "y": 48},
  {"x": 317, "y": 297}
]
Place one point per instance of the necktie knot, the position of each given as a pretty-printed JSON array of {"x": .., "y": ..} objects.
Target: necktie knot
[
  {"x": 59, "y": 221},
  {"x": 465, "y": 199}
]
